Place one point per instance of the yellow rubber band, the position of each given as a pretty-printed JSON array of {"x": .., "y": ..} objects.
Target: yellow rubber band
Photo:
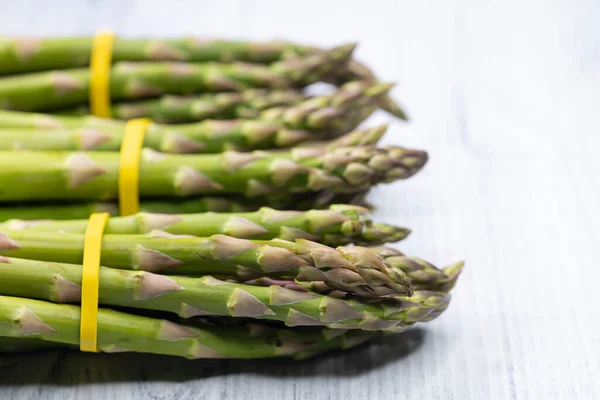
[
  {"x": 129, "y": 166},
  {"x": 89, "y": 282},
  {"x": 100, "y": 62}
]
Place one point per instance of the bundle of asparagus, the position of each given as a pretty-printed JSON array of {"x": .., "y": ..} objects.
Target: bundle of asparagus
[
  {"x": 252, "y": 240},
  {"x": 23, "y": 55}
]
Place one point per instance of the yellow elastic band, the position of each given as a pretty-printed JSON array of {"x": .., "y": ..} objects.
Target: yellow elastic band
[
  {"x": 89, "y": 282},
  {"x": 100, "y": 61},
  {"x": 129, "y": 166}
]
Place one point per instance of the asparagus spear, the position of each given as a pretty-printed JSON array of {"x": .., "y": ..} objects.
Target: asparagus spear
[
  {"x": 423, "y": 275},
  {"x": 53, "y": 90},
  {"x": 277, "y": 128},
  {"x": 120, "y": 332},
  {"x": 207, "y": 137},
  {"x": 286, "y": 107},
  {"x": 22, "y": 54},
  {"x": 171, "y": 109},
  {"x": 190, "y": 297},
  {"x": 356, "y": 71},
  {"x": 63, "y": 210},
  {"x": 348, "y": 269},
  {"x": 93, "y": 175},
  {"x": 340, "y": 224}
]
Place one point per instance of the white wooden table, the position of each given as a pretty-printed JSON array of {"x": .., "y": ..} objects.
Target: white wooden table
[{"x": 505, "y": 96}]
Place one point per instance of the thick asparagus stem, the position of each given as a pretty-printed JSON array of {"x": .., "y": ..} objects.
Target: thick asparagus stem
[
  {"x": 22, "y": 54},
  {"x": 172, "y": 109},
  {"x": 207, "y": 137},
  {"x": 339, "y": 225},
  {"x": 121, "y": 332},
  {"x": 348, "y": 269},
  {"x": 53, "y": 90},
  {"x": 30, "y": 176},
  {"x": 190, "y": 297}
]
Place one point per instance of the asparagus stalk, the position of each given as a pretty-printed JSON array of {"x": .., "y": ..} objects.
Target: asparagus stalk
[
  {"x": 29, "y": 176},
  {"x": 423, "y": 275},
  {"x": 121, "y": 332},
  {"x": 207, "y": 137},
  {"x": 190, "y": 297},
  {"x": 277, "y": 128},
  {"x": 54, "y": 90},
  {"x": 172, "y": 109},
  {"x": 22, "y": 54},
  {"x": 287, "y": 107},
  {"x": 62, "y": 210},
  {"x": 347, "y": 269},
  {"x": 339, "y": 225}
]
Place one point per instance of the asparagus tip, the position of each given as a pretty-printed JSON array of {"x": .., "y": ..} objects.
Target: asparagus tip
[{"x": 7, "y": 243}]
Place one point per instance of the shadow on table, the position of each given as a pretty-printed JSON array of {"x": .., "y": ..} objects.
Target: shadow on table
[{"x": 72, "y": 368}]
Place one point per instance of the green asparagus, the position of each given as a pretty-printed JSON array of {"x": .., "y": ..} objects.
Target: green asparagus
[
  {"x": 122, "y": 332},
  {"x": 30, "y": 176},
  {"x": 332, "y": 111},
  {"x": 423, "y": 275},
  {"x": 19, "y": 55},
  {"x": 66, "y": 210},
  {"x": 207, "y": 137},
  {"x": 277, "y": 128},
  {"x": 356, "y": 71},
  {"x": 189, "y": 297},
  {"x": 44, "y": 91},
  {"x": 339, "y": 225},
  {"x": 348, "y": 269},
  {"x": 22, "y": 54},
  {"x": 172, "y": 109},
  {"x": 286, "y": 107}
]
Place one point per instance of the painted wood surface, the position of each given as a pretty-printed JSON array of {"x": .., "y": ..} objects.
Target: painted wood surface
[{"x": 504, "y": 95}]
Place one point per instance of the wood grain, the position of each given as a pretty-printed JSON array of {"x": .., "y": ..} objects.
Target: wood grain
[{"x": 504, "y": 95}]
